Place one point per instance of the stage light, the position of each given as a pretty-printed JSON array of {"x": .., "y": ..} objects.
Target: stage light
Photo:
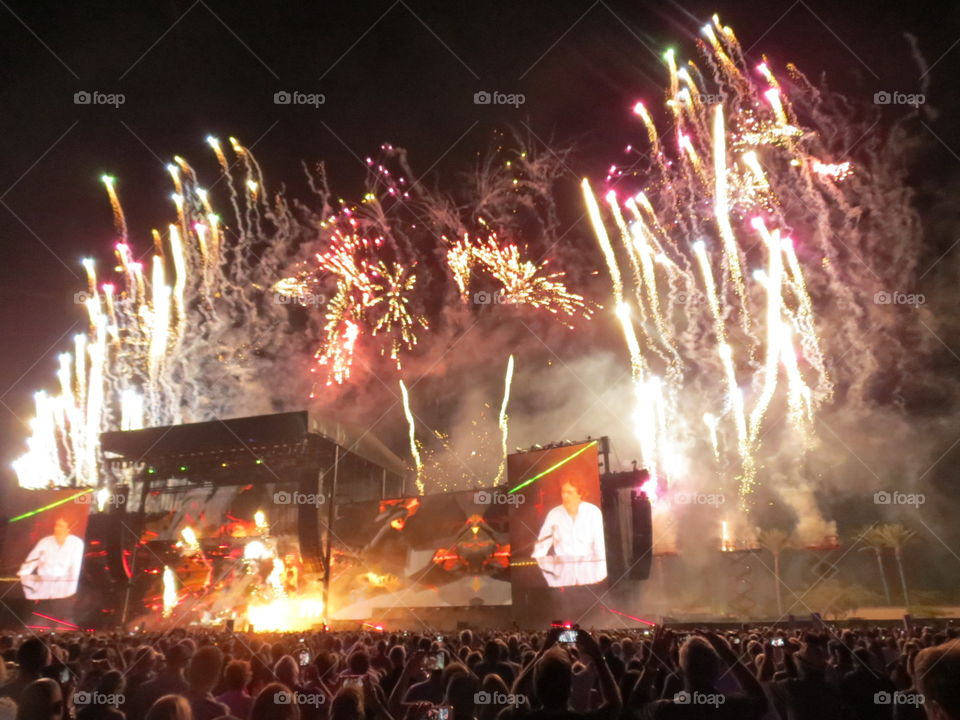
[
  {"x": 259, "y": 461},
  {"x": 103, "y": 496},
  {"x": 183, "y": 468},
  {"x": 151, "y": 471},
  {"x": 255, "y": 550}
]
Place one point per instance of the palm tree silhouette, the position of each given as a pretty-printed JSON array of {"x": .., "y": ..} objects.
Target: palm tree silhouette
[
  {"x": 898, "y": 536},
  {"x": 875, "y": 541}
]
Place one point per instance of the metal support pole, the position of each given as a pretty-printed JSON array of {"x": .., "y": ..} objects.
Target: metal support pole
[
  {"x": 141, "y": 513},
  {"x": 328, "y": 550}
]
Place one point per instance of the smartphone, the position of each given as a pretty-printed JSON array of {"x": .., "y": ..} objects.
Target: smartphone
[
  {"x": 353, "y": 681},
  {"x": 777, "y": 642},
  {"x": 64, "y": 675},
  {"x": 439, "y": 638},
  {"x": 736, "y": 641},
  {"x": 441, "y": 712},
  {"x": 568, "y": 637},
  {"x": 304, "y": 657},
  {"x": 434, "y": 662}
]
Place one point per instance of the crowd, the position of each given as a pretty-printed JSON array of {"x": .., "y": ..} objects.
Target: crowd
[{"x": 760, "y": 673}]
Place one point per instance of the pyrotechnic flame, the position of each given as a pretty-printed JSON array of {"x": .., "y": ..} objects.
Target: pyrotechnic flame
[
  {"x": 189, "y": 538},
  {"x": 503, "y": 422},
  {"x": 286, "y": 614},
  {"x": 170, "y": 596},
  {"x": 412, "y": 436}
]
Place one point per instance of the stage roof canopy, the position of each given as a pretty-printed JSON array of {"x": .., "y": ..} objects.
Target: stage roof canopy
[{"x": 257, "y": 435}]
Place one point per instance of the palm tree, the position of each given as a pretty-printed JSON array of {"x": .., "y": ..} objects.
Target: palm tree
[
  {"x": 875, "y": 541},
  {"x": 775, "y": 541},
  {"x": 898, "y": 537}
]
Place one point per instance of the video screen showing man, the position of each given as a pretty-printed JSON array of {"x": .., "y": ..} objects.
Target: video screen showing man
[
  {"x": 51, "y": 570},
  {"x": 556, "y": 524},
  {"x": 570, "y": 549}
]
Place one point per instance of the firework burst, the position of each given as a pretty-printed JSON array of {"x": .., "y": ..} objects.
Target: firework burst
[{"x": 716, "y": 258}]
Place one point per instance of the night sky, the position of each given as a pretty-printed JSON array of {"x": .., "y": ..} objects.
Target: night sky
[{"x": 398, "y": 71}]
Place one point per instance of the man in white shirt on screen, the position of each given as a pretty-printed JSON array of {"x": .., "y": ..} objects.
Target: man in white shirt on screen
[
  {"x": 52, "y": 569},
  {"x": 570, "y": 549}
]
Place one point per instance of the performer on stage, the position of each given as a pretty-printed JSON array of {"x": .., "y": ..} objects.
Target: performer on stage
[
  {"x": 52, "y": 569},
  {"x": 570, "y": 548}
]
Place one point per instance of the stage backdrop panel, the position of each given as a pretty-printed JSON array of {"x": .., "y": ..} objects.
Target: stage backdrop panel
[
  {"x": 450, "y": 549},
  {"x": 43, "y": 544},
  {"x": 556, "y": 524}
]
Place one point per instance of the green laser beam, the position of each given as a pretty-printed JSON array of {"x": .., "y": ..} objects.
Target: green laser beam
[
  {"x": 50, "y": 506},
  {"x": 552, "y": 468}
]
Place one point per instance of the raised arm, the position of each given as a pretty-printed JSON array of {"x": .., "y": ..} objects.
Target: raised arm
[
  {"x": 751, "y": 686},
  {"x": 612, "y": 702},
  {"x": 395, "y": 703}
]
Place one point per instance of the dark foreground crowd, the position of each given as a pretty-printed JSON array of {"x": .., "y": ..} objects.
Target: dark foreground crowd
[{"x": 756, "y": 673}]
